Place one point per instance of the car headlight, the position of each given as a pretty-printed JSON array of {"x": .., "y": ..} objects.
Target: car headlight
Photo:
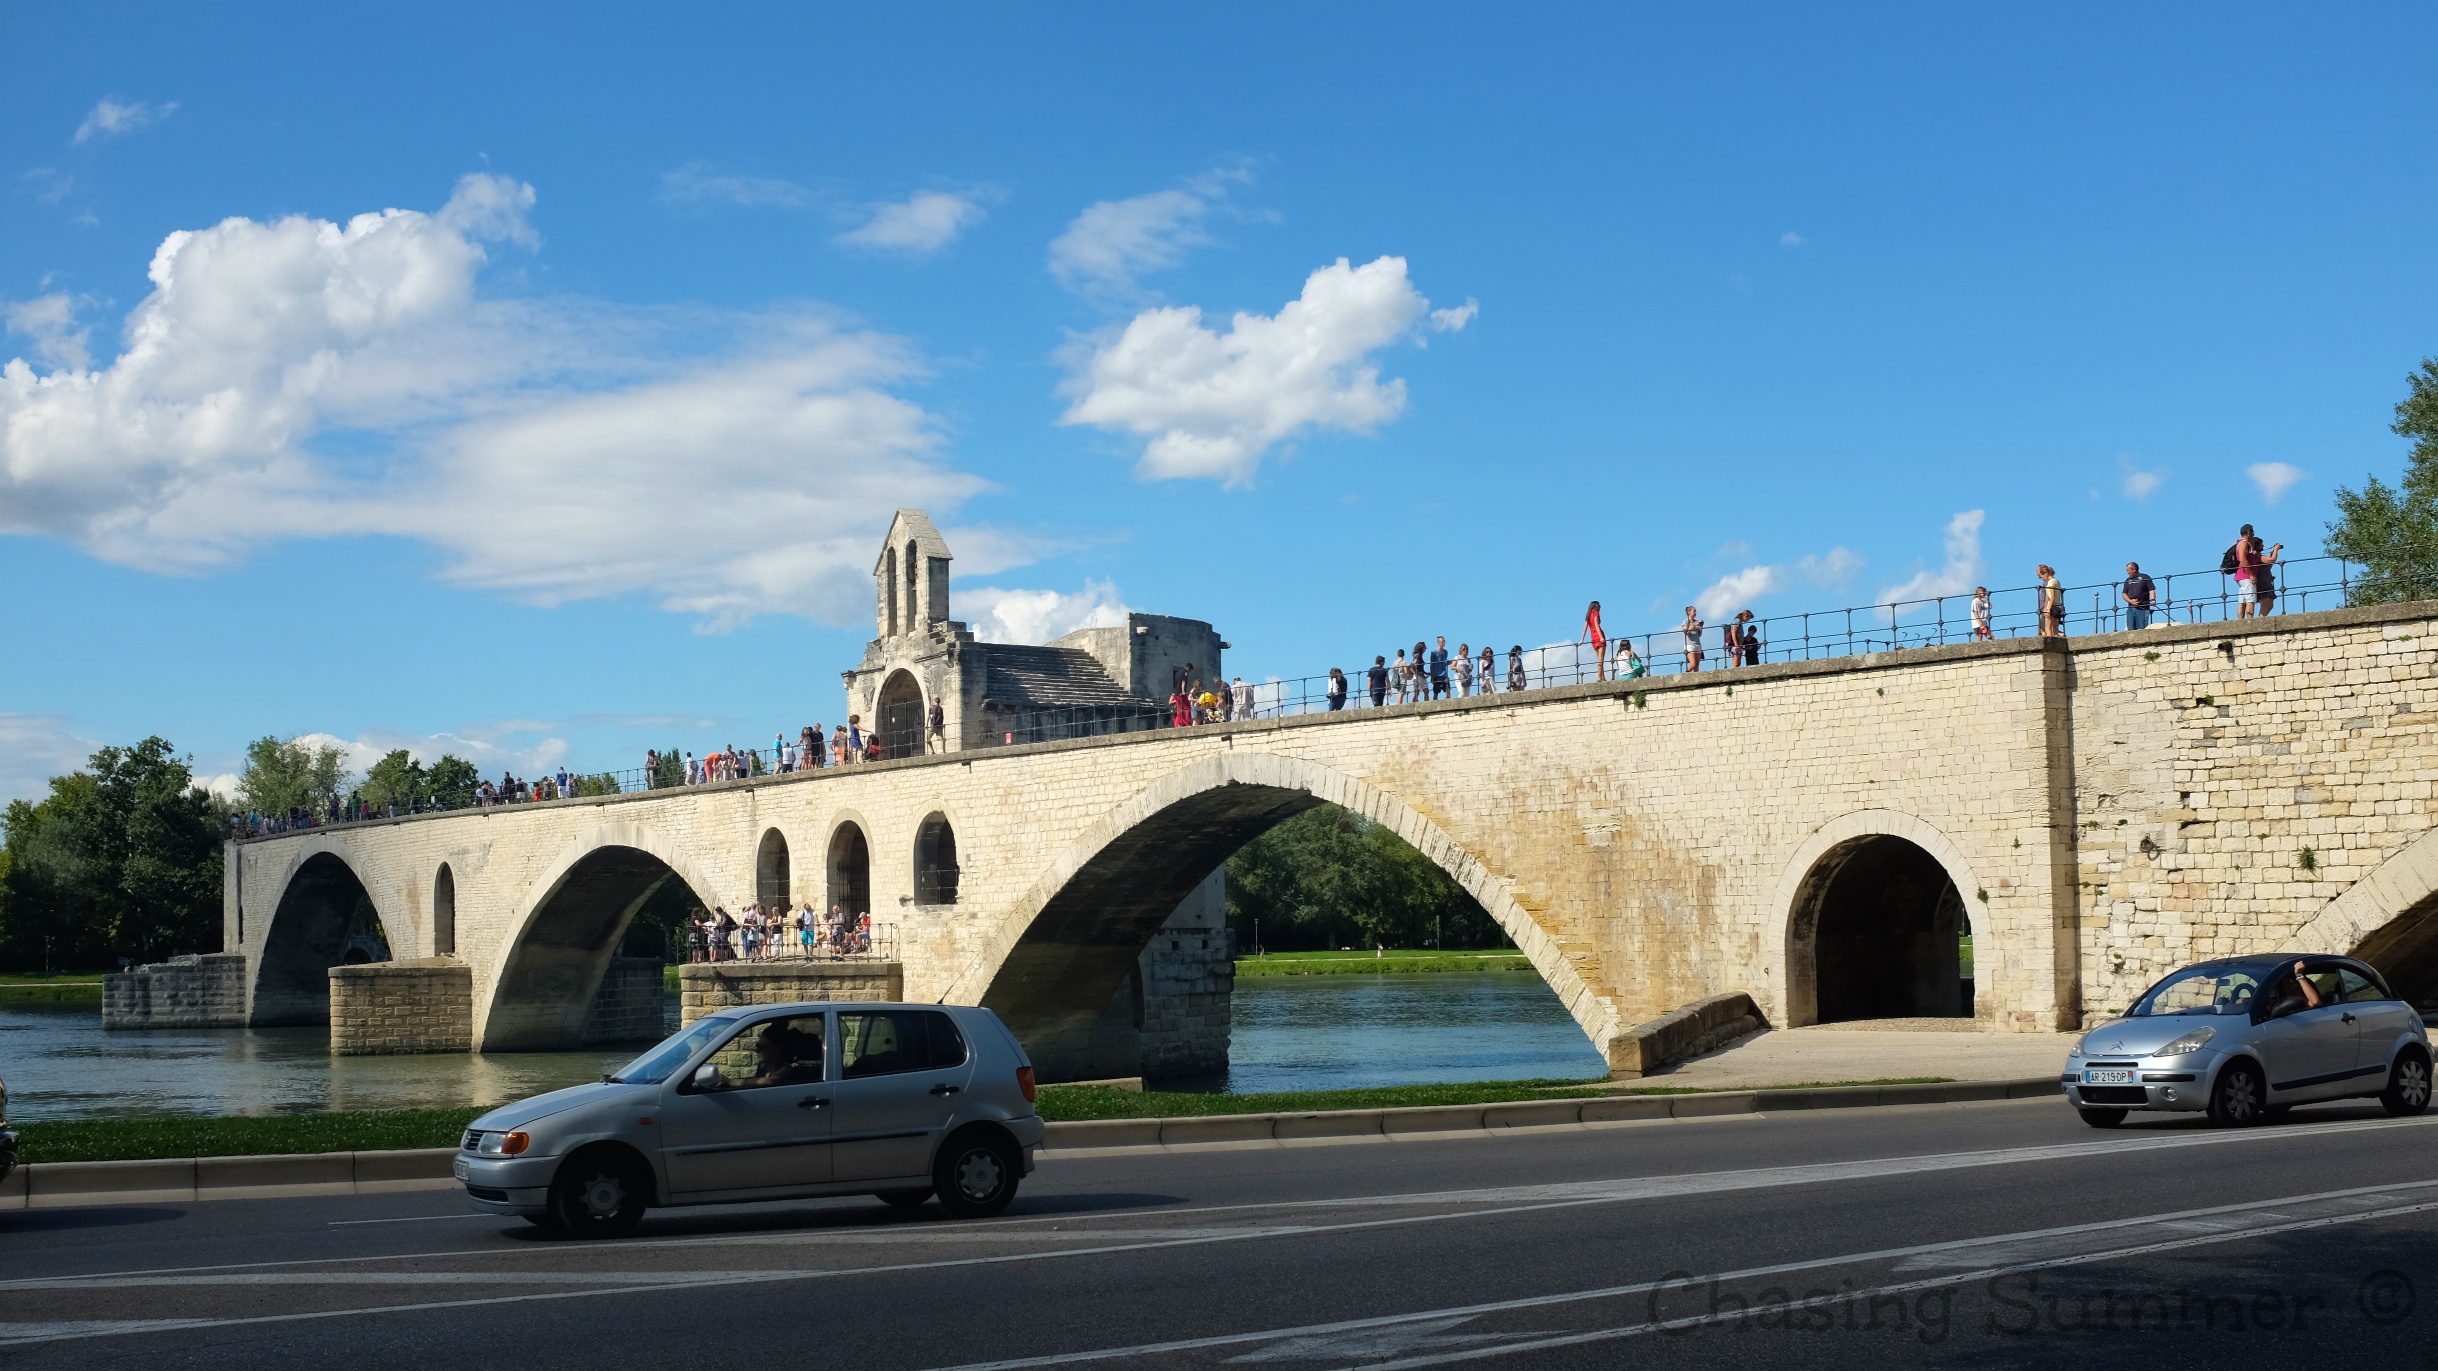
[
  {"x": 2190, "y": 1042},
  {"x": 505, "y": 1144}
]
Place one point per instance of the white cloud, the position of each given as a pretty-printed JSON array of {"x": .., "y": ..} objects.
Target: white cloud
[
  {"x": 553, "y": 448},
  {"x": 700, "y": 183},
  {"x": 1791, "y": 239},
  {"x": 488, "y": 747},
  {"x": 110, "y": 118},
  {"x": 1738, "y": 589},
  {"x": 2274, "y": 479},
  {"x": 1212, "y": 403},
  {"x": 917, "y": 226},
  {"x": 1961, "y": 573},
  {"x": 1454, "y": 320},
  {"x": 1037, "y": 616},
  {"x": 2141, "y": 485},
  {"x": 50, "y": 321},
  {"x": 48, "y": 186},
  {"x": 1114, "y": 241},
  {"x": 33, "y": 749}
]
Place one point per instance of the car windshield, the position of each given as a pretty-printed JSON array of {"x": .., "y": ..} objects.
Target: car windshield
[
  {"x": 657, "y": 1065},
  {"x": 2201, "y": 990}
]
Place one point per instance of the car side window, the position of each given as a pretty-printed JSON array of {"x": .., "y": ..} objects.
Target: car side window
[
  {"x": 2324, "y": 980},
  {"x": 2357, "y": 987},
  {"x": 773, "y": 1052},
  {"x": 887, "y": 1042}
]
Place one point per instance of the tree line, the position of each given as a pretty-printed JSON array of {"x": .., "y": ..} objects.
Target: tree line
[{"x": 1331, "y": 878}]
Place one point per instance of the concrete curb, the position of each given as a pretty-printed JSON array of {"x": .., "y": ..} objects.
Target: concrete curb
[
  {"x": 1439, "y": 1121},
  {"x": 46, "y": 1185}
]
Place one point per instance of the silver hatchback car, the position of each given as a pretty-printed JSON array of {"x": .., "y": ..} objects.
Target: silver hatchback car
[
  {"x": 2248, "y": 1037},
  {"x": 772, "y": 1102}
]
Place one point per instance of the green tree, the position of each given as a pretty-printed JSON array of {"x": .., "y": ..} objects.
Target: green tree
[
  {"x": 397, "y": 778},
  {"x": 672, "y": 770},
  {"x": 452, "y": 780},
  {"x": 121, "y": 859},
  {"x": 281, "y": 776},
  {"x": 2393, "y": 531},
  {"x": 1331, "y": 878}
]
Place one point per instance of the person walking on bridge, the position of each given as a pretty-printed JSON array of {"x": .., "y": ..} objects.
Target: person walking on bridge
[
  {"x": 1489, "y": 669},
  {"x": 1377, "y": 679},
  {"x": 1515, "y": 667},
  {"x": 1439, "y": 669},
  {"x": 2139, "y": 594},
  {"x": 1598, "y": 637},
  {"x": 1336, "y": 691},
  {"x": 1693, "y": 627},
  {"x": 2052, "y": 602}
]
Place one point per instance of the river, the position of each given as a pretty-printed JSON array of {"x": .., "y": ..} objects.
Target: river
[{"x": 1291, "y": 1033}]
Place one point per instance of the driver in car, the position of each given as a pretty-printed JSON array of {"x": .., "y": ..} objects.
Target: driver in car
[{"x": 785, "y": 1056}]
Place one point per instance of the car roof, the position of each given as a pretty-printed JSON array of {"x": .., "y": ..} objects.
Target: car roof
[
  {"x": 2257, "y": 961},
  {"x": 746, "y": 1011}
]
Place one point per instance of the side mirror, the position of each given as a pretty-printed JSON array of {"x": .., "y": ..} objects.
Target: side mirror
[{"x": 707, "y": 1077}]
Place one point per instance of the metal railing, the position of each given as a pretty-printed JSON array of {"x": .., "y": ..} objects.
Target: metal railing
[{"x": 784, "y": 941}]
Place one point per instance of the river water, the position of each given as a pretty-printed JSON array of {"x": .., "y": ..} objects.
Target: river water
[{"x": 1291, "y": 1033}]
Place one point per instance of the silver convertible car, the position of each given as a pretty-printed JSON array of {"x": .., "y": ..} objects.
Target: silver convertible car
[
  {"x": 2249, "y": 1037},
  {"x": 772, "y": 1102}
]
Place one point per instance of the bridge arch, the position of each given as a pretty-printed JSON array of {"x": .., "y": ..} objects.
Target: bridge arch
[
  {"x": 2389, "y": 919},
  {"x": 773, "y": 876},
  {"x": 1809, "y": 891},
  {"x": 897, "y": 716},
  {"x": 550, "y": 969},
  {"x": 1075, "y": 934},
  {"x": 444, "y": 912},
  {"x": 848, "y": 866},
  {"x": 320, "y": 906}
]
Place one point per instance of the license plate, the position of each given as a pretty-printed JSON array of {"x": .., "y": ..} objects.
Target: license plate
[
  {"x": 2117, "y": 1077},
  {"x": 459, "y": 1169}
]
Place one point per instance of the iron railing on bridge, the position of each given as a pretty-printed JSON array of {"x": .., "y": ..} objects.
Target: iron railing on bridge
[{"x": 786, "y": 940}]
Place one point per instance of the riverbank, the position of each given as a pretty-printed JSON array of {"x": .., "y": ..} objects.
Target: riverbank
[
  {"x": 1392, "y": 962},
  {"x": 57, "y": 987}
]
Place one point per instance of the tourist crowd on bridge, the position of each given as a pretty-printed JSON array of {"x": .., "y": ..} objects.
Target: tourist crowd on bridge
[{"x": 759, "y": 933}]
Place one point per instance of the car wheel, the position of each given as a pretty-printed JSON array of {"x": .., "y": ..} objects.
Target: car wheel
[
  {"x": 903, "y": 1199},
  {"x": 2238, "y": 1100},
  {"x": 598, "y": 1195},
  {"x": 2102, "y": 1118},
  {"x": 2408, "y": 1085},
  {"x": 976, "y": 1175}
]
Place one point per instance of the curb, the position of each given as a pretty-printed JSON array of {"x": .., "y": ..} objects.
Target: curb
[
  {"x": 1438, "y": 1121},
  {"x": 45, "y": 1185}
]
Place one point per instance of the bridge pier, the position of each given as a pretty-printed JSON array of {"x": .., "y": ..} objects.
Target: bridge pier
[{"x": 1170, "y": 1021}]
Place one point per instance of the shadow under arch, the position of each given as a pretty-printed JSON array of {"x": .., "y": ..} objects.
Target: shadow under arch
[
  {"x": 2389, "y": 919},
  {"x": 1868, "y": 845},
  {"x": 310, "y": 931},
  {"x": 897, "y": 716},
  {"x": 565, "y": 941},
  {"x": 1078, "y": 932}
]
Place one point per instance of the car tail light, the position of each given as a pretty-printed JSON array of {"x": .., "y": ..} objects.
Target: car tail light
[
  {"x": 514, "y": 1144},
  {"x": 1024, "y": 1082}
]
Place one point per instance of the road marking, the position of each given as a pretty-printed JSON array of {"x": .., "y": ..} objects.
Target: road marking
[
  {"x": 1999, "y": 1246},
  {"x": 418, "y": 1218}
]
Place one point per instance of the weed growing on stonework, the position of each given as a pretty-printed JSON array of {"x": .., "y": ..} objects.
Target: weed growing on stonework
[
  {"x": 2308, "y": 861},
  {"x": 2150, "y": 656}
]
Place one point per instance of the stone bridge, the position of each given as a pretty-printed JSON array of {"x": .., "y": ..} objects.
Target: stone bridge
[{"x": 2090, "y": 813}]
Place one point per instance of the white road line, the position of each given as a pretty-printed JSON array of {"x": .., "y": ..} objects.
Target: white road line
[
  {"x": 416, "y": 1218},
  {"x": 2001, "y": 1244}
]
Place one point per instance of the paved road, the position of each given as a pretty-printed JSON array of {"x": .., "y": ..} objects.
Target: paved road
[{"x": 2003, "y": 1233}]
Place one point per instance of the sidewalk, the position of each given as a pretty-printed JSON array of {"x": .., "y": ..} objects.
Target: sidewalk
[{"x": 1882, "y": 1049}]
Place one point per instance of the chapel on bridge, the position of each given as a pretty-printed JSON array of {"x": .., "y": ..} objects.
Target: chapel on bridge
[{"x": 1092, "y": 681}]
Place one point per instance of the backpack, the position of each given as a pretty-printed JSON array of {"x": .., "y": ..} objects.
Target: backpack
[{"x": 2230, "y": 563}]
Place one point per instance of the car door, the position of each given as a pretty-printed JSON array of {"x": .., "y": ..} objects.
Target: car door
[
  {"x": 901, "y": 1072},
  {"x": 2309, "y": 1051},
  {"x": 2383, "y": 1021},
  {"x": 762, "y": 1123}
]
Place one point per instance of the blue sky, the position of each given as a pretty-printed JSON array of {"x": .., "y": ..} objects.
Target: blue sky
[{"x": 587, "y": 450}]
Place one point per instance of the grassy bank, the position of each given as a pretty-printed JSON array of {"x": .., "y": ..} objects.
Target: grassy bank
[
  {"x": 1391, "y": 963},
  {"x": 110, "y": 1140},
  {"x": 60, "y": 985}
]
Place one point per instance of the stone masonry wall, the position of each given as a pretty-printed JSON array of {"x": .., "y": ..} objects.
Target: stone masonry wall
[
  {"x": 206, "y": 991},
  {"x": 385, "y": 1008},
  {"x": 631, "y": 1005},
  {"x": 707, "y": 988}
]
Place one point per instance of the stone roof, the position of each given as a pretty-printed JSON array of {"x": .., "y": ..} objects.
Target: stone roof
[{"x": 1025, "y": 677}]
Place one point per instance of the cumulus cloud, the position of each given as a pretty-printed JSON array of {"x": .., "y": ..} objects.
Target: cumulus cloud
[
  {"x": 1454, "y": 320},
  {"x": 1211, "y": 403},
  {"x": 33, "y": 749},
  {"x": 1791, "y": 239},
  {"x": 110, "y": 118},
  {"x": 1961, "y": 572},
  {"x": 917, "y": 226},
  {"x": 49, "y": 322},
  {"x": 491, "y": 748},
  {"x": 1738, "y": 589},
  {"x": 2274, "y": 479},
  {"x": 701, "y": 183},
  {"x": 303, "y": 378},
  {"x": 1037, "y": 616},
  {"x": 1113, "y": 242},
  {"x": 2140, "y": 485}
]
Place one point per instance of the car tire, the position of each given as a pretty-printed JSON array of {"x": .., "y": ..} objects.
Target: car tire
[
  {"x": 2408, "y": 1085},
  {"x": 599, "y": 1193},
  {"x": 903, "y": 1199},
  {"x": 2101, "y": 1118},
  {"x": 976, "y": 1174},
  {"x": 2238, "y": 1099}
]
